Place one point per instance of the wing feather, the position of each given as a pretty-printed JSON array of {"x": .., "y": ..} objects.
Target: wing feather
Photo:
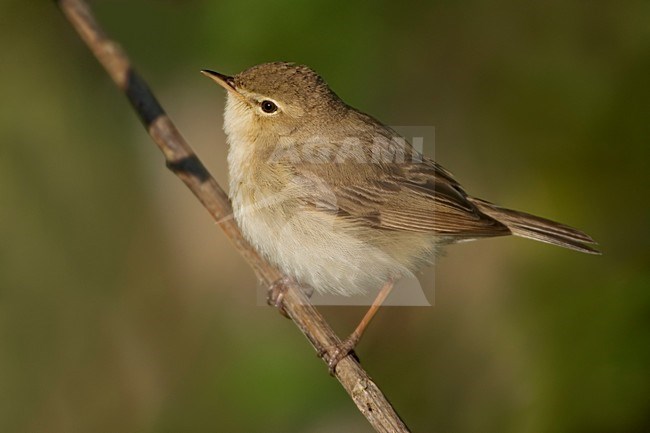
[{"x": 416, "y": 197}]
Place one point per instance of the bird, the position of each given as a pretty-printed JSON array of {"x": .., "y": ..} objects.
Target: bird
[{"x": 338, "y": 201}]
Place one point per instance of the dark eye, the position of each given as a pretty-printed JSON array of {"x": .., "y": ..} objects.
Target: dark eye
[{"x": 268, "y": 106}]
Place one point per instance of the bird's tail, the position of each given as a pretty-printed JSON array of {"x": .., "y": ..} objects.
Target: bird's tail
[{"x": 536, "y": 228}]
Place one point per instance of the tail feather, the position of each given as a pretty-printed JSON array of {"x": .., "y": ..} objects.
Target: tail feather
[{"x": 536, "y": 228}]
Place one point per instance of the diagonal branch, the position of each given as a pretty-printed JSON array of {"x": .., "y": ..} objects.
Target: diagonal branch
[{"x": 182, "y": 160}]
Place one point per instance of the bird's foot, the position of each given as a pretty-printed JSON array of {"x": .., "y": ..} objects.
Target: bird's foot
[
  {"x": 276, "y": 292},
  {"x": 334, "y": 354}
]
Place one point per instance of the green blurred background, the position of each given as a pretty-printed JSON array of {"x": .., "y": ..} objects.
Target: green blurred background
[{"x": 123, "y": 308}]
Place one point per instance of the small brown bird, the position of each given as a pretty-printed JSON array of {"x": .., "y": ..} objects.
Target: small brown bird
[{"x": 339, "y": 201}]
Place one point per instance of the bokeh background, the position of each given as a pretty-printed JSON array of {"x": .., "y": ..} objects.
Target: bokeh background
[{"x": 123, "y": 308}]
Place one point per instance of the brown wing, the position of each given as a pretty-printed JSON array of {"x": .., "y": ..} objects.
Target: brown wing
[
  {"x": 418, "y": 196},
  {"x": 415, "y": 197}
]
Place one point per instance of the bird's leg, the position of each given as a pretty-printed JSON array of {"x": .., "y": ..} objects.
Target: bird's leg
[{"x": 347, "y": 346}]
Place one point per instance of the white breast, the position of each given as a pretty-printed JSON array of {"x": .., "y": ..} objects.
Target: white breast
[{"x": 302, "y": 243}]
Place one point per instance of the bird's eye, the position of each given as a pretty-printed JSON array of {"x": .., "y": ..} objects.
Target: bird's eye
[{"x": 268, "y": 106}]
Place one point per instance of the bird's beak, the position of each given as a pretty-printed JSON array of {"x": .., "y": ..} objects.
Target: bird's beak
[{"x": 224, "y": 81}]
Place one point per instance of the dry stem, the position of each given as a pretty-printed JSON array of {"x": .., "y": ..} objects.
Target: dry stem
[{"x": 182, "y": 160}]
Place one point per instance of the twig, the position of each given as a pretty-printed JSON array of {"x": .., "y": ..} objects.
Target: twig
[{"x": 182, "y": 160}]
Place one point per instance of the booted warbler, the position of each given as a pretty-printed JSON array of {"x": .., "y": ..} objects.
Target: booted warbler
[{"x": 339, "y": 201}]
